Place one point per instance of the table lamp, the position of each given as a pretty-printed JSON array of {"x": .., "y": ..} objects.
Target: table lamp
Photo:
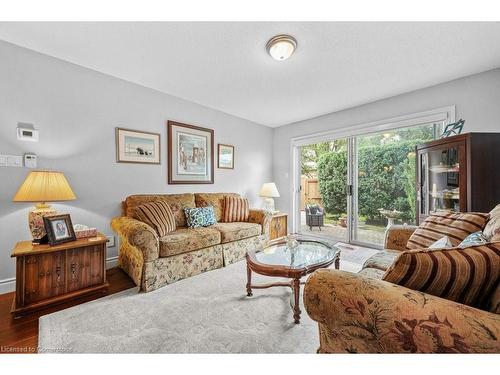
[
  {"x": 42, "y": 187},
  {"x": 269, "y": 192}
]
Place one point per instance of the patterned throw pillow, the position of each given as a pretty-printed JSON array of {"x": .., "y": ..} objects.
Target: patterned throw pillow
[
  {"x": 156, "y": 214},
  {"x": 456, "y": 226},
  {"x": 468, "y": 275},
  {"x": 473, "y": 239},
  {"x": 492, "y": 228},
  {"x": 236, "y": 209},
  {"x": 442, "y": 243},
  {"x": 200, "y": 217}
]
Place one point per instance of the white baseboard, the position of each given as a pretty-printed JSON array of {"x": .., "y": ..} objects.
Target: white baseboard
[{"x": 9, "y": 285}]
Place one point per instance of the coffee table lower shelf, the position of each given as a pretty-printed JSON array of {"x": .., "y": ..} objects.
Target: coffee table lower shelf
[{"x": 294, "y": 284}]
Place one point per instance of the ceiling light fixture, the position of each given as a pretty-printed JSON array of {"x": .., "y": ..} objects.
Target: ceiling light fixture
[{"x": 281, "y": 47}]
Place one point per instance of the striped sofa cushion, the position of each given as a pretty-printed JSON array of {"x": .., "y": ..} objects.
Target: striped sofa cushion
[
  {"x": 456, "y": 226},
  {"x": 467, "y": 275},
  {"x": 235, "y": 209},
  {"x": 156, "y": 214}
]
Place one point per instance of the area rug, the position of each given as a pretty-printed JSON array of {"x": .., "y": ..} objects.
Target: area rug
[{"x": 208, "y": 313}]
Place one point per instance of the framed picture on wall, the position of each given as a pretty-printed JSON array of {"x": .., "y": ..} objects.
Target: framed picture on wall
[
  {"x": 190, "y": 154},
  {"x": 133, "y": 146},
  {"x": 225, "y": 158}
]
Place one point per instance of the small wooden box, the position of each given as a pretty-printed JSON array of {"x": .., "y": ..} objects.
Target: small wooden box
[
  {"x": 47, "y": 275},
  {"x": 279, "y": 226}
]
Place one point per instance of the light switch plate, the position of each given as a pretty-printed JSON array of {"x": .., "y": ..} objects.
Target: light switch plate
[
  {"x": 111, "y": 241},
  {"x": 11, "y": 161}
]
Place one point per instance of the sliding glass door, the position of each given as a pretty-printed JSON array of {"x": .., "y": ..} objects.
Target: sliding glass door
[
  {"x": 323, "y": 199},
  {"x": 352, "y": 189},
  {"x": 384, "y": 184}
]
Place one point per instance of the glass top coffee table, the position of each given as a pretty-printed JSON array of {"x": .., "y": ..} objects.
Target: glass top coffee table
[{"x": 290, "y": 257}]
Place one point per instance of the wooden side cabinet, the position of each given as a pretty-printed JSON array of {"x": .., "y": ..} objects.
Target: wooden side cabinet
[
  {"x": 47, "y": 275},
  {"x": 279, "y": 226},
  {"x": 458, "y": 174}
]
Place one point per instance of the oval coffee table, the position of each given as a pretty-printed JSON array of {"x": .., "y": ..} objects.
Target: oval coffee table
[{"x": 280, "y": 260}]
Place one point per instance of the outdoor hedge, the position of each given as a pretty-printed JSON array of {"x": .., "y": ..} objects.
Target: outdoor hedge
[{"x": 386, "y": 179}]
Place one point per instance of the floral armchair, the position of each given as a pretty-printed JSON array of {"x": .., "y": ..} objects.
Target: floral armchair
[{"x": 360, "y": 313}]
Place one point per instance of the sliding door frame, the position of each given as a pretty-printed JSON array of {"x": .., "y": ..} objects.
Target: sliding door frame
[{"x": 443, "y": 114}]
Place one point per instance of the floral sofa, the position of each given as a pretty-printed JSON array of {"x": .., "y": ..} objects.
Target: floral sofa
[
  {"x": 360, "y": 313},
  {"x": 153, "y": 261}
]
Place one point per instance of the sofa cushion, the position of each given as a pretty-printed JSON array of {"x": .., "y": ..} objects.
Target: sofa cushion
[
  {"x": 236, "y": 209},
  {"x": 381, "y": 260},
  {"x": 492, "y": 228},
  {"x": 443, "y": 243},
  {"x": 473, "y": 239},
  {"x": 177, "y": 203},
  {"x": 200, "y": 217},
  {"x": 213, "y": 199},
  {"x": 372, "y": 272},
  {"x": 237, "y": 231},
  {"x": 467, "y": 276},
  {"x": 456, "y": 226},
  {"x": 184, "y": 240},
  {"x": 156, "y": 214}
]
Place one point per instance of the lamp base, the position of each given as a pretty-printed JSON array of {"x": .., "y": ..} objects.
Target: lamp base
[
  {"x": 268, "y": 205},
  {"x": 35, "y": 220}
]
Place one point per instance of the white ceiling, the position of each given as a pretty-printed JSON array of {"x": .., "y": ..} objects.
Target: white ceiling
[{"x": 225, "y": 66}]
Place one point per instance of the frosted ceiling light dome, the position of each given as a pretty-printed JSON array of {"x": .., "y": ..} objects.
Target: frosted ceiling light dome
[{"x": 281, "y": 47}]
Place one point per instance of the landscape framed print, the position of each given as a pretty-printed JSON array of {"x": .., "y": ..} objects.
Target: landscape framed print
[
  {"x": 225, "y": 159},
  {"x": 190, "y": 154},
  {"x": 134, "y": 146}
]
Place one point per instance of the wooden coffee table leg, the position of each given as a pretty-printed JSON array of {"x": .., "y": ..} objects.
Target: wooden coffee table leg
[
  {"x": 296, "y": 304},
  {"x": 249, "y": 282}
]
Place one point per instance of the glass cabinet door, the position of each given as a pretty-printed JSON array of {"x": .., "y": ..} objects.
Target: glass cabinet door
[{"x": 440, "y": 180}]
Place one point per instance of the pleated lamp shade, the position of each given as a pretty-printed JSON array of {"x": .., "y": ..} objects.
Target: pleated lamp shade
[{"x": 44, "y": 186}]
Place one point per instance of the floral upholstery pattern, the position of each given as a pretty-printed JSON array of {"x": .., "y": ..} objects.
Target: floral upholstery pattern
[
  {"x": 213, "y": 199},
  {"x": 137, "y": 234},
  {"x": 235, "y": 251},
  {"x": 176, "y": 202},
  {"x": 397, "y": 236},
  {"x": 381, "y": 260},
  {"x": 237, "y": 231},
  {"x": 261, "y": 217},
  {"x": 360, "y": 314},
  {"x": 183, "y": 240},
  {"x": 165, "y": 271},
  {"x": 153, "y": 262},
  {"x": 372, "y": 272}
]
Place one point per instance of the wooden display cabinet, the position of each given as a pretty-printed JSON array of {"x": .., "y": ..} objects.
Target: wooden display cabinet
[{"x": 458, "y": 174}]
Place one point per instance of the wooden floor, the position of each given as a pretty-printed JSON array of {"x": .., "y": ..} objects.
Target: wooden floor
[{"x": 20, "y": 335}]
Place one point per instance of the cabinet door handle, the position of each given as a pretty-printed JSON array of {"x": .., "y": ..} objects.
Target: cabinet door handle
[
  {"x": 58, "y": 273},
  {"x": 73, "y": 270}
]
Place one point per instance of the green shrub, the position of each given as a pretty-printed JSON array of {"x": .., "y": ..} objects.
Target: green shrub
[{"x": 386, "y": 179}]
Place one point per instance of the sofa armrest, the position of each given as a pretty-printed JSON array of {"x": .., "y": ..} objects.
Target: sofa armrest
[
  {"x": 396, "y": 237},
  {"x": 366, "y": 315},
  {"x": 139, "y": 235},
  {"x": 261, "y": 217}
]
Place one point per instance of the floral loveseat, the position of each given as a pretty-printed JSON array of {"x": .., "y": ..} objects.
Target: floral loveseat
[
  {"x": 153, "y": 261},
  {"x": 360, "y": 313}
]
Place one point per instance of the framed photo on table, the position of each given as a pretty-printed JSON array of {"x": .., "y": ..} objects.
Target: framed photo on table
[
  {"x": 190, "y": 154},
  {"x": 59, "y": 229},
  {"x": 225, "y": 159},
  {"x": 134, "y": 146}
]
